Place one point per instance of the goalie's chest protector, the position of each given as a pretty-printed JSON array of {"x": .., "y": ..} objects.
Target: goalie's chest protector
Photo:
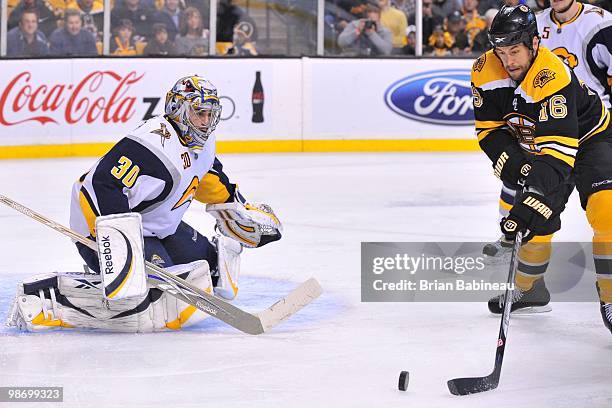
[{"x": 186, "y": 167}]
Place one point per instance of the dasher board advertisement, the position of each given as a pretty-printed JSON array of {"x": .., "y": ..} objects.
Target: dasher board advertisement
[
  {"x": 100, "y": 100},
  {"x": 388, "y": 99}
]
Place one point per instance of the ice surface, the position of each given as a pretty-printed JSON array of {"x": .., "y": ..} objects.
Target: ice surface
[{"x": 338, "y": 352}]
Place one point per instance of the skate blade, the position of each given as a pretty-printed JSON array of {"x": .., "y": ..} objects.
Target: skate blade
[{"x": 532, "y": 310}]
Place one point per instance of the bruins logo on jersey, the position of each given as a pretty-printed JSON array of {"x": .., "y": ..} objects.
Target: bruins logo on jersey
[
  {"x": 523, "y": 128},
  {"x": 479, "y": 63},
  {"x": 570, "y": 59},
  {"x": 543, "y": 77}
]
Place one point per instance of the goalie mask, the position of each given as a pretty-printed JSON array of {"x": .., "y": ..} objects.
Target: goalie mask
[{"x": 194, "y": 106}]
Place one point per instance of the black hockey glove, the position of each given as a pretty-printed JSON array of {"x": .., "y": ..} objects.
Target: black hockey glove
[
  {"x": 512, "y": 165},
  {"x": 529, "y": 214}
]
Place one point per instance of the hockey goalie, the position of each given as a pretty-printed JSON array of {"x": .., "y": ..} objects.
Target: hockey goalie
[{"x": 131, "y": 202}]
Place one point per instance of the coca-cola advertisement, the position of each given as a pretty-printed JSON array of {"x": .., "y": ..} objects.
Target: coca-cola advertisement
[{"x": 99, "y": 101}]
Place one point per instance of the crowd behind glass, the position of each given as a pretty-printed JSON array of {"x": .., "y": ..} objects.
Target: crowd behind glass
[{"x": 286, "y": 27}]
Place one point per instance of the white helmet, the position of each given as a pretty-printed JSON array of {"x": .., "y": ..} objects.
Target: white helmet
[{"x": 194, "y": 106}]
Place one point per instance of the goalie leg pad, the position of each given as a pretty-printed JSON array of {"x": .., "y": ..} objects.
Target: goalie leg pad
[
  {"x": 74, "y": 300},
  {"x": 121, "y": 256}
]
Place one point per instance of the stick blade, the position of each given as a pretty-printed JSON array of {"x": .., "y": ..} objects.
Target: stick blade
[
  {"x": 290, "y": 304},
  {"x": 472, "y": 385}
]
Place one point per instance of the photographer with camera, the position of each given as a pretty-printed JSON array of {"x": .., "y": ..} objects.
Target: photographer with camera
[{"x": 366, "y": 36}]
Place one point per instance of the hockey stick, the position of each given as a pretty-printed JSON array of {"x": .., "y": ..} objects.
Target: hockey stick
[
  {"x": 473, "y": 385},
  {"x": 251, "y": 323}
]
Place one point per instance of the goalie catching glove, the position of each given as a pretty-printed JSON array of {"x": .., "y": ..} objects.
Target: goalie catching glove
[{"x": 253, "y": 225}]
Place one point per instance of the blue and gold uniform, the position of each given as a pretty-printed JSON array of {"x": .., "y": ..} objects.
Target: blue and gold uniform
[{"x": 152, "y": 171}]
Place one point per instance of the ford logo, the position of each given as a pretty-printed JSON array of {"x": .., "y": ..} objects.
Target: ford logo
[{"x": 442, "y": 97}]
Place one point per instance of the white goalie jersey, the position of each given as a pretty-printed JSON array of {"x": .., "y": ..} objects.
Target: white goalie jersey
[
  {"x": 150, "y": 171},
  {"x": 584, "y": 43}
]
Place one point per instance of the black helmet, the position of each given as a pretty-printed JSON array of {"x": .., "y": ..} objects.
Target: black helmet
[{"x": 513, "y": 25}]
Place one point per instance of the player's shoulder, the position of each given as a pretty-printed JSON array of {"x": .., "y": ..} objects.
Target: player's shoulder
[
  {"x": 488, "y": 72},
  {"x": 594, "y": 14},
  {"x": 547, "y": 76},
  {"x": 157, "y": 125}
]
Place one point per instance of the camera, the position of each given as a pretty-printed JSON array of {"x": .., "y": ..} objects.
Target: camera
[{"x": 369, "y": 24}]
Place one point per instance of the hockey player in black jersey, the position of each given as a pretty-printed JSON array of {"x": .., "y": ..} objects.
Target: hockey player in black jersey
[{"x": 544, "y": 129}]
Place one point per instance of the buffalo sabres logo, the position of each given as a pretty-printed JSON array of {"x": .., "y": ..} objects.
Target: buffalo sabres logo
[
  {"x": 163, "y": 132},
  {"x": 543, "y": 77},
  {"x": 479, "y": 63},
  {"x": 570, "y": 59}
]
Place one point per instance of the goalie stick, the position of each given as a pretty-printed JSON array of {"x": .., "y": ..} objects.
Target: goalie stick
[
  {"x": 250, "y": 323},
  {"x": 473, "y": 385}
]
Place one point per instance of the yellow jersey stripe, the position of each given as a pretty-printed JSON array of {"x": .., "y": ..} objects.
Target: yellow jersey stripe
[
  {"x": 562, "y": 140},
  {"x": 602, "y": 125},
  {"x": 489, "y": 124},
  {"x": 569, "y": 160},
  {"x": 89, "y": 212}
]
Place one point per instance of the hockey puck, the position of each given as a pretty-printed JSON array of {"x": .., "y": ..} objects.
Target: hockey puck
[{"x": 403, "y": 381}]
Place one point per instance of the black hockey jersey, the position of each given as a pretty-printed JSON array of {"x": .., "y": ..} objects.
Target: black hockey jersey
[{"x": 549, "y": 115}]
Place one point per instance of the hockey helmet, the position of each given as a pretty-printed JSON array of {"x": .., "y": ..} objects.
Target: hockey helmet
[
  {"x": 190, "y": 99},
  {"x": 513, "y": 25}
]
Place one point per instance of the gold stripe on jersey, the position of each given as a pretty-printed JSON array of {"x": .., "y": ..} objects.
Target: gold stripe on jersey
[
  {"x": 547, "y": 76},
  {"x": 212, "y": 190},
  {"x": 570, "y": 21},
  {"x": 604, "y": 121},
  {"x": 488, "y": 69},
  {"x": 489, "y": 124},
  {"x": 562, "y": 140},
  {"x": 88, "y": 211},
  {"x": 569, "y": 160}
]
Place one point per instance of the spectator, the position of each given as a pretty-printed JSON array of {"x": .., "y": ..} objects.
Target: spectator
[
  {"x": 47, "y": 17},
  {"x": 160, "y": 45},
  {"x": 228, "y": 16},
  {"x": 123, "y": 43},
  {"x": 443, "y": 8},
  {"x": 455, "y": 26},
  {"x": 474, "y": 22},
  {"x": 408, "y": 7},
  {"x": 26, "y": 40},
  {"x": 484, "y": 5},
  {"x": 410, "y": 47},
  {"x": 140, "y": 16},
  {"x": 72, "y": 40},
  {"x": 242, "y": 44},
  {"x": 92, "y": 13},
  {"x": 396, "y": 22},
  {"x": 429, "y": 21},
  {"x": 481, "y": 43},
  {"x": 193, "y": 38},
  {"x": 440, "y": 42},
  {"x": 170, "y": 15},
  {"x": 366, "y": 36}
]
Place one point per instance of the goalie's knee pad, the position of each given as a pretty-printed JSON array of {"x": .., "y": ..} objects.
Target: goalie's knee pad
[
  {"x": 228, "y": 256},
  {"x": 177, "y": 313}
]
